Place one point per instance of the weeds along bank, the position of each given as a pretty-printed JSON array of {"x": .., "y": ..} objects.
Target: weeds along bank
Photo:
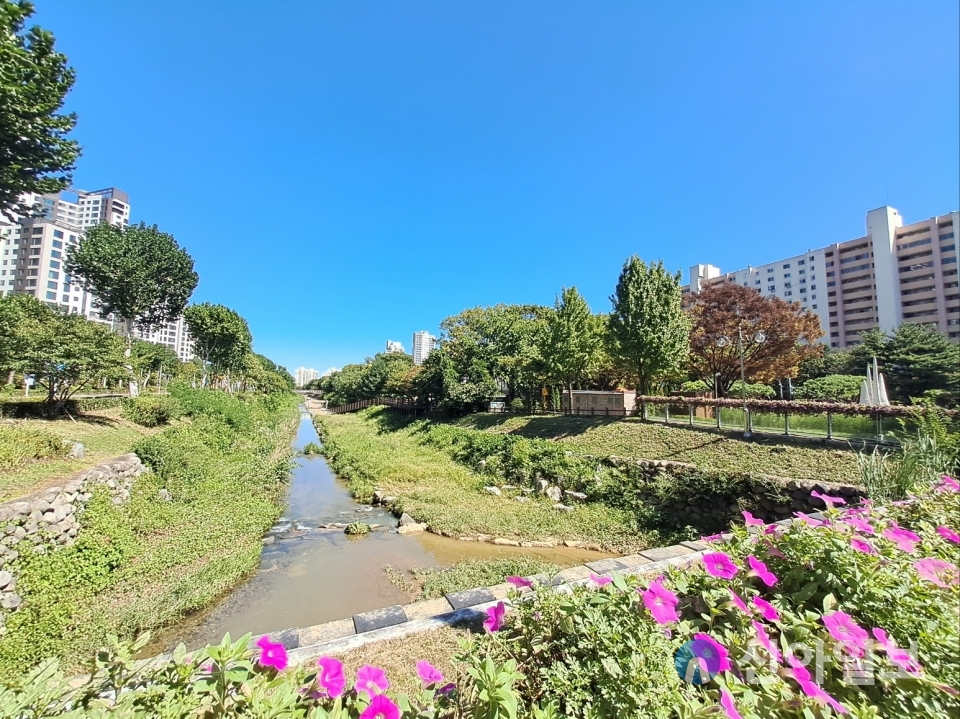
[{"x": 146, "y": 562}]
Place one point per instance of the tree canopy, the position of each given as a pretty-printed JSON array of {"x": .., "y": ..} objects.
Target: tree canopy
[
  {"x": 35, "y": 154},
  {"x": 221, "y": 337},
  {"x": 722, "y": 310},
  {"x": 572, "y": 339}
]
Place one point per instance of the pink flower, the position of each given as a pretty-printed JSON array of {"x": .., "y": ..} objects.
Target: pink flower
[
  {"x": 948, "y": 484},
  {"x": 827, "y": 499},
  {"x": 937, "y": 571},
  {"x": 660, "y": 601},
  {"x": 861, "y": 525},
  {"x": 381, "y": 708},
  {"x": 774, "y": 529},
  {"x": 842, "y": 628},
  {"x": 811, "y": 688},
  {"x": 272, "y": 654},
  {"x": 520, "y": 582},
  {"x": 330, "y": 677},
  {"x": 428, "y": 673},
  {"x": 495, "y": 617},
  {"x": 759, "y": 569},
  {"x": 765, "y": 641},
  {"x": 949, "y": 534},
  {"x": 371, "y": 681},
  {"x": 901, "y": 657},
  {"x": 766, "y": 609},
  {"x": 805, "y": 519},
  {"x": 750, "y": 520},
  {"x": 729, "y": 708},
  {"x": 719, "y": 565},
  {"x": 772, "y": 551},
  {"x": 600, "y": 581},
  {"x": 713, "y": 651},
  {"x": 903, "y": 538},
  {"x": 711, "y": 538},
  {"x": 736, "y": 601},
  {"x": 862, "y": 546}
]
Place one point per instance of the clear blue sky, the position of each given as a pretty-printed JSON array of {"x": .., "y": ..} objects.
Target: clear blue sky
[{"x": 348, "y": 172}]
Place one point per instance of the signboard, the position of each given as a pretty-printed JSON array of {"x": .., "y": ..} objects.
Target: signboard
[{"x": 498, "y": 406}]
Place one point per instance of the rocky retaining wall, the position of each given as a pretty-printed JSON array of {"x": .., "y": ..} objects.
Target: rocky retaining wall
[{"x": 50, "y": 519}]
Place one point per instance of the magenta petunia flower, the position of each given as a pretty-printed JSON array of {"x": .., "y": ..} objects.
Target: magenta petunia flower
[
  {"x": 949, "y": 534},
  {"x": 901, "y": 657},
  {"x": 828, "y": 500},
  {"x": 903, "y": 538},
  {"x": 861, "y": 525},
  {"x": 766, "y": 609},
  {"x": 660, "y": 602},
  {"x": 520, "y": 582},
  {"x": 862, "y": 546},
  {"x": 495, "y": 617},
  {"x": 937, "y": 571},
  {"x": 729, "y": 708},
  {"x": 371, "y": 681},
  {"x": 759, "y": 569},
  {"x": 272, "y": 654},
  {"x": 738, "y": 602},
  {"x": 719, "y": 565},
  {"x": 713, "y": 651},
  {"x": 330, "y": 677},
  {"x": 600, "y": 581},
  {"x": 811, "y": 688},
  {"x": 808, "y": 520},
  {"x": 842, "y": 628},
  {"x": 765, "y": 641},
  {"x": 750, "y": 520},
  {"x": 711, "y": 538},
  {"x": 774, "y": 529},
  {"x": 428, "y": 673},
  {"x": 381, "y": 707},
  {"x": 948, "y": 484}
]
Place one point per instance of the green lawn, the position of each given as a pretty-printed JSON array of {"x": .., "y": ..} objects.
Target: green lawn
[
  {"x": 451, "y": 499},
  {"x": 104, "y": 434},
  {"x": 648, "y": 440}
]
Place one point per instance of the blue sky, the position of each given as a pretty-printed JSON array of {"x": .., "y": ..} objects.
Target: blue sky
[{"x": 345, "y": 173}]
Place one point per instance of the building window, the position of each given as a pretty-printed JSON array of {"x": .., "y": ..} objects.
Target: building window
[
  {"x": 58, "y": 244},
  {"x": 53, "y": 275},
  {"x": 38, "y": 230},
  {"x": 786, "y": 266},
  {"x": 788, "y": 293},
  {"x": 814, "y": 306},
  {"x": 948, "y": 260},
  {"x": 65, "y": 298},
  {"x": 51, "y": 295},
  {"x": 52, "y": 285},
  {"x": 786, "y": 274},
  {"x": 769, "y": 270},
  {"x": 947, "y": 236},
  {"x": 772, "y": 288},
  {"x": 800, "y": 262}
]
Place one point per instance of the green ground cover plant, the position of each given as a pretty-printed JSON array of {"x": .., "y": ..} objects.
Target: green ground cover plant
[
  {"x": 633, "y": 438},
  {"x": 371, "y": 449},
  {"x": 433, "y": 582},
  {"x": 19, "y": 445},
  {"x": 149, "y": 561},
  {"x": 151, "y": 410}
]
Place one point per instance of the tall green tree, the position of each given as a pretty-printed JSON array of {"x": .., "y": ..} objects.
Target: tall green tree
[
  {"x": 138, "y": 273},
  {"x": 153, "y": 360},
  {"x": 17, "y": 313},
  {"x": 571, "y": 343},
  {"x": 35, "y": 154},
  {"x": 649, "y": 333},
  {"x": 221, "y": 338}
]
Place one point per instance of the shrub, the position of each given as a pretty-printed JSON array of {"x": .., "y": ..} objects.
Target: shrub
[
  {"x": 151, "y": 410},
  {"x": 312, "y": 448},
  {"x": 20, "y": 444},
  {"x": 832, "y": 388}
]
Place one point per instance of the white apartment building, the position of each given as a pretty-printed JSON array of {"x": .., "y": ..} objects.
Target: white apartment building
[
  {"x": 423, "y": 344},
  {"x": 173, "y": 334},
  {"x": 895, "y": 273},
  {"x": 393, "y": 347},
  {"x": 304, "y": 375}
]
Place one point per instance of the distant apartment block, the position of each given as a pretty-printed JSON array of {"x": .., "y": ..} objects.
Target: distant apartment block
[
  {"x": 172, "y": 334},
  {"x": 394, "y": 347},
  {"x": 895, "y": 273},
  {"x": 304, "y": 375},
  {"x": 423, "y": 344}
]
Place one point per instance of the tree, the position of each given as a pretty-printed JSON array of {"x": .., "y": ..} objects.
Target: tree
[
  {"x": 571, "y": 342},
  {"x": 65, "y": 353},
  {"x": 831, "y": 388},
  {"x": 726, "y": 309},
  {"x": 221, "y": 337},
  {"x": 138, "y": 273},
  {"x": 35, "y": 154},
  {"x": 648, "y": 331},
  {"x": 16, "y": 314},
  {"x": 149, "y": 359}
]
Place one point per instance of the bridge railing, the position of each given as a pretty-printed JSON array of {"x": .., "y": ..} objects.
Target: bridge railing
[{"x": 404, "y": 405}]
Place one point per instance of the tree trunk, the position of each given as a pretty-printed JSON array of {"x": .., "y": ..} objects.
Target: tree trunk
[{"x": 133, "y": 386}]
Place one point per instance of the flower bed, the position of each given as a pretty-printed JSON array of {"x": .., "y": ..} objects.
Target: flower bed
[{"x": 853, "y": 615}]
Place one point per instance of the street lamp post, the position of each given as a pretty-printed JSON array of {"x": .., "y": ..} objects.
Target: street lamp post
[{"x": 758, "y": 338}]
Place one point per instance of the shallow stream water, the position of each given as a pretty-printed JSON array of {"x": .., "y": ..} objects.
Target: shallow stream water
[{"x": 309, "y": 575}]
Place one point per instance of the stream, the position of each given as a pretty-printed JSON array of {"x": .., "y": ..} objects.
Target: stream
[{"x": 310, "y": 575}]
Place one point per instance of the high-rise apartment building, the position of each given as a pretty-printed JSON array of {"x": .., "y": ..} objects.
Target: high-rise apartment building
[
  {"x": 895, "y": 273},
  {"x": 393, "y": 347},
  {"x": 172, "y": 334},
  {"x": 423, "y": 344},
  {"x": 304, "y": 375}
]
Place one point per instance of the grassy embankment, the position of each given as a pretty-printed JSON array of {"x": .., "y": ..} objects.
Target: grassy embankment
[
  {"x": 140, "y": 565},
  {"x": 369, "y": 449},
  {"x": 33, "y": 451},
  {"x": 633, "y": 438}
]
